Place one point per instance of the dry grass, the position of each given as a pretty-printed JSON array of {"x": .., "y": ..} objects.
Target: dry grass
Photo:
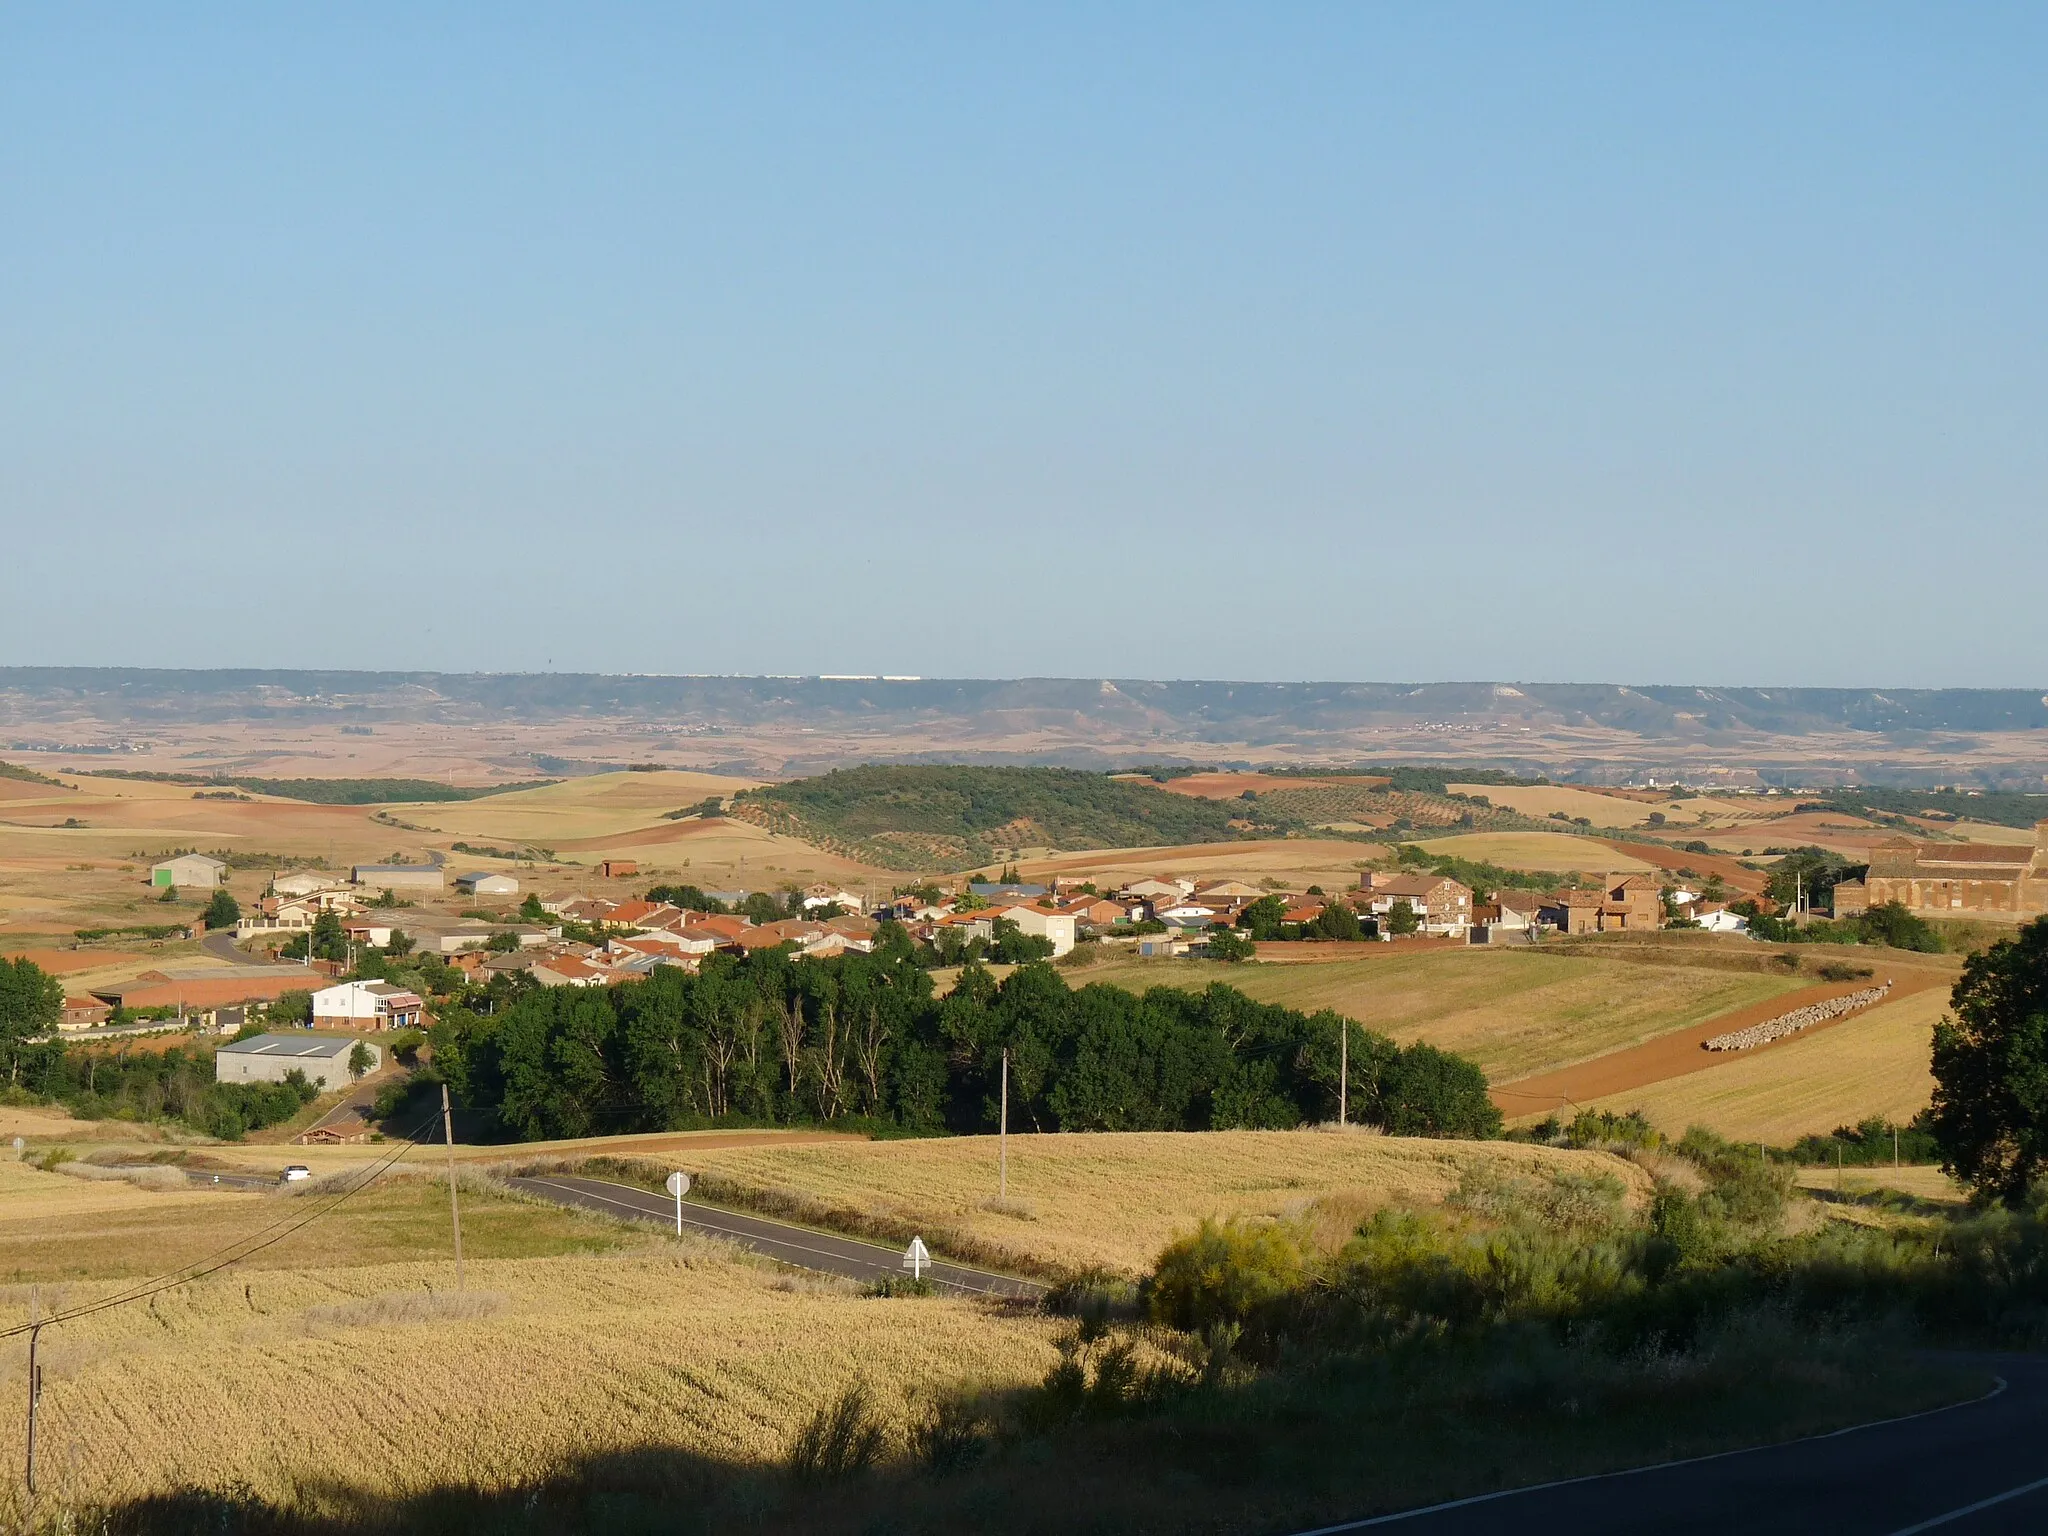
[
  {"x": 1516, "y": 1013},
  {"x": 1875, "y": 1064},
  {"x": 1081, "y": 1202},
  {"x": 220, "y": 1382},
  {"x": 30, "y": 1123},
  {"x": 1921, "y": 1183},
  {"x": 58, "y": 1229},
  {"x": 1296, "y": 862},
  {"x": 1616, "y": 811},
  {"x": 1541, "y": 852},
  {"x": 576, "y": 1336}
]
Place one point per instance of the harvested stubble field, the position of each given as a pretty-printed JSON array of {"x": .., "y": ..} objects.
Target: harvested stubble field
[
  {"x": 1604, "y": 810},
  {"x": 1515, "y": 1012},
  {"x": 1083, "y": 1202},
  {"x": 1873, "y": 1064},
  {"x": 60, "y": 1229},
  {"x": 1295, "y": 862},
  {"x": 638, "y": 1340},
  {"x": 1538, "y": 852}
]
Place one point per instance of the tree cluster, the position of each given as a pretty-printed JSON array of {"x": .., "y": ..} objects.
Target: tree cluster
[{"x": 769, "y": 1038}]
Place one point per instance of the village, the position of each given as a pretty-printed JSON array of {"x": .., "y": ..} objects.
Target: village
[{"x": 311, "y": 928}]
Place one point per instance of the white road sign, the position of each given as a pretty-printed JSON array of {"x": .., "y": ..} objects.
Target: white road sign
[
  {"x": 678, "y": 1185},
  {"x": 915, "y": 1257}
]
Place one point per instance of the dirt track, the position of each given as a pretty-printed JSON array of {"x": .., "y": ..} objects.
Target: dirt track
[{"x": 1683, "y": 1051}]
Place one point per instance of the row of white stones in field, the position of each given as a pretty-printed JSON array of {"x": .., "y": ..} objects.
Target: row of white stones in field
[{"x": 1798, "y": 1019}]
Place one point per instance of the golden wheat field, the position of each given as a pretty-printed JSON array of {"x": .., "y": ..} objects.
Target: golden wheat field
[
  {"x": 629, "y": 1339},
  {"x": 1514, "y": 1012},
  {"x": 1875, "y": 1064},
  {"x": 1112, "y": 1201}
]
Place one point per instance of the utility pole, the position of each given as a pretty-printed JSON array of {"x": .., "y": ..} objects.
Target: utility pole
[
  {"x": 1003, "y": 1135},
  {"x": 35, "y": 1393},
  {"x": 1343, "y": 1072},
  {"x": 454, "y": 1206}
]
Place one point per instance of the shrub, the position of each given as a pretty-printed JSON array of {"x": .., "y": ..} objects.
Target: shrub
[
  {"x": 1223, "y": 1273},
  {"x": 950, "y": 1432},
  {"x": 843, "y": 1439}
]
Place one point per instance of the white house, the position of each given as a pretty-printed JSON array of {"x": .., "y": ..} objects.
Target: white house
[
  {"x": 189, "y": 872},
  {"x": 366, "y": 1005},
  {"x": 1721, "y": 920},
  {"x": 304, "y": 882},
  {"x": 1159, "y": 890},
  {"x": 1039, "y": 923},
  {"x": 844, "y": 900}
]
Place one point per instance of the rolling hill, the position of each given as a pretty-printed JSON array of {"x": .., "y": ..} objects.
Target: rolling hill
[{"x": 914, "y": 817}]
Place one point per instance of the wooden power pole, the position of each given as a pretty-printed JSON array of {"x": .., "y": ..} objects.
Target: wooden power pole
[
  {"x": 35, "y": 1393},
  {"x": 1343, "y": 1072},
  {"x": 1003, "y": 1134},
  {"x": 454, "y": 1205}
]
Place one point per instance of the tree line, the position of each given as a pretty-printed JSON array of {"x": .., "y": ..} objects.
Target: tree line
[{"x": 770, "y": 1039}]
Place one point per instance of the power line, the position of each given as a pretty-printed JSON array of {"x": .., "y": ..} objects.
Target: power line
[{"x": 199, "y": 1269}]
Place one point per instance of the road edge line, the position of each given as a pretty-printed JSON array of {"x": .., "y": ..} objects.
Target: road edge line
[
  {"x": 1664, "y": 1466},
  {"x": 795, "y": 1226},
  {"x": 1971, "y": 1509}
]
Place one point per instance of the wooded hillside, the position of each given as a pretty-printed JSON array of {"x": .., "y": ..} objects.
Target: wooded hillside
[{"x": 914, "y": 817}]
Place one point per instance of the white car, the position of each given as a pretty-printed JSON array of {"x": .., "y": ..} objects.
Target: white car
[{"x": 296, "y": 1172}]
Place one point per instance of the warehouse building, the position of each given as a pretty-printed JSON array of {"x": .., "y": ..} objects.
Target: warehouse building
[
  {"x": 189, "y": 872},
  {"x": 398, "y": 877},
  {"x": 480, "y": 884},
  {"x": 267, "y": 1058}
]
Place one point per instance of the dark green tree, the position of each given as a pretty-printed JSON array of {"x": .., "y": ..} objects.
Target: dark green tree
[
  {"x": 1990, "y": 1110},
  {"x": 294, "y": 1007},
  {"x": 1337, "y": 921},
  {"x": 31, "y": 1008},
  {"x": 1893, "y": 923},
  {"x": 1262, "y": 918},
  {"x": 1402, "y": 919},
  {"x": 1229, "y": 945},
  {"x": 223, "y": 911},
  {"x": 360, "y": 1060}
]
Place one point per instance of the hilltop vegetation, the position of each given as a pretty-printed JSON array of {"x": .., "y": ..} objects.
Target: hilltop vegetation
[
  {"x": 915, "y": 817},
  {"x": 331, "y": 791},
  {"x": 2000, "y": 809}
]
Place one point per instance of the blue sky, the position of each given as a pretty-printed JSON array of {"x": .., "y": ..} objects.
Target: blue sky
[{"x": 1624, "y": 343}]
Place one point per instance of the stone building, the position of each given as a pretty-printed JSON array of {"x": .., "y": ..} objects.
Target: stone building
[{"x": 1995, "y": 880}]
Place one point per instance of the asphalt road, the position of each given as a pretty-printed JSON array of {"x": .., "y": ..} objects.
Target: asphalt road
[
  {"x": 1976, "y": 1470},
  {"x": 222, "y": 946},
  {"x": 800, "y": 1246}
]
